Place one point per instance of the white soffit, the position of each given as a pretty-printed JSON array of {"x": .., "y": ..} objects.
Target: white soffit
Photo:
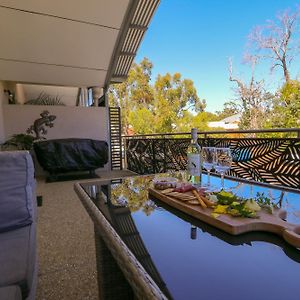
[
  {"x": 71, "y": 43},
  {"x": 106, "y": 13},
  {"x": 55, "y": 41},
  {"x": 50, "y": 75}
]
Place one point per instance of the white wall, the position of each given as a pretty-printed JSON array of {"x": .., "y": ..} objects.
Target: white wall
[
  {"x": 222, "y": 124},
  {"x": 68, "y": 95},
  {"x": 77, "y": 122},
  {"x": 2, "y": 134},
  {"x": 71, "y": 122}
]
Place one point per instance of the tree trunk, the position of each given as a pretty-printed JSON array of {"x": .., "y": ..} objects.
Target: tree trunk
[{"x": 286, "y": 72}]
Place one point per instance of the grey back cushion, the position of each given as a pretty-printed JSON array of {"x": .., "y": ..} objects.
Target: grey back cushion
[{"x": 17, "y": 189}]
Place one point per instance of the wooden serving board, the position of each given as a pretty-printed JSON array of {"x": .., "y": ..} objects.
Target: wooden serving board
[{"x": 236, "y": 225}]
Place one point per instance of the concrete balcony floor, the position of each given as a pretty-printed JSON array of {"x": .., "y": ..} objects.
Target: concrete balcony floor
[{"x": 66, "y": 247}]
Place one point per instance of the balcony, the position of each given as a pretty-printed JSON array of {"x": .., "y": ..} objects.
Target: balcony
[
  {"x": 66, "y": 52},
  {"x": 267, "y": 160},
  {"x": 67, "y": 252},
  {"x": 113, "y": 32}
]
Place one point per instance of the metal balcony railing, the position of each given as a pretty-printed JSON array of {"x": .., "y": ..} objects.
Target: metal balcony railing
[{"x": 273, "y": 160}]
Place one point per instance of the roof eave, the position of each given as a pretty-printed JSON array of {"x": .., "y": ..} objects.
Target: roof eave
[{"x": 137, "y": 18}]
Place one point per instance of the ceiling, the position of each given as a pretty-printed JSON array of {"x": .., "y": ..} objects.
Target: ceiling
[{"x": 71, "y": 43}]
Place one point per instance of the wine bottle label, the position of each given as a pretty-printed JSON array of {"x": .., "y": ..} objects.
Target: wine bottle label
[{"x": 193, "y": 164}]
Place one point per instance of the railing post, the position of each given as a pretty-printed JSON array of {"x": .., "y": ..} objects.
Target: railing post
[
  {"x": 153, "y": 156},
  {"x": 124, "y": 143},
  {"x": 298, "y": 134},
  {"x": 164, "y": 151}
]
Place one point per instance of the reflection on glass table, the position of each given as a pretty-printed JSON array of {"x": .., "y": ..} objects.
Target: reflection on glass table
[{"x": 189, "y": 259}]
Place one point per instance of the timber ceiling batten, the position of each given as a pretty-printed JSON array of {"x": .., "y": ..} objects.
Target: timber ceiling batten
[{"x": 138, "y": 20}]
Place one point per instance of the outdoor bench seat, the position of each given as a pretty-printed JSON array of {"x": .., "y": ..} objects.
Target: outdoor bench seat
[
  {"x": 18, "y": 217},
  {"x": 18, "y": 258},
  {"x": 11, "y": 292}
]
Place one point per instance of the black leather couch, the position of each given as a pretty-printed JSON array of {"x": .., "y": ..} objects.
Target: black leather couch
[{"x": 61, "y": 156}]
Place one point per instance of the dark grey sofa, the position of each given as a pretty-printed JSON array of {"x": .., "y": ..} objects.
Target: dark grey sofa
[{"x": 18, "y": 257}]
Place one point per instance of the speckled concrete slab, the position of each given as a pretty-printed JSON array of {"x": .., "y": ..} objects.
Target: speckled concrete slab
[{"x": 66, "y": 246}]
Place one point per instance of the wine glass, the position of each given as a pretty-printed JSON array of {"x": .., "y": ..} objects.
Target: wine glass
[
  {"x": 224, "y": 160},
  {"x": 209, "y": 161}
]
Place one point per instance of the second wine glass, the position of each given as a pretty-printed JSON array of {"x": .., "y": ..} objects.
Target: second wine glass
[
  {"x": 209, "y": 160},
  {"x": 224, "y": 160}
]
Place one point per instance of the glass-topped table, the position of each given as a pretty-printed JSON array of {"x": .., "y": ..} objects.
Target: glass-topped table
[{"x": 189, "y": 259}]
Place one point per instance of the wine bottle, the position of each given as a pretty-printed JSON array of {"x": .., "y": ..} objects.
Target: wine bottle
[{"x": 194, "y": 159}]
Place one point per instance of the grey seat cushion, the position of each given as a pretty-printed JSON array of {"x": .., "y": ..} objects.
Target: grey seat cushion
[
  {"x": 11, "y": 292},
  {"x": 18, "y": 258},
  {"x": 17, "y": 188}
]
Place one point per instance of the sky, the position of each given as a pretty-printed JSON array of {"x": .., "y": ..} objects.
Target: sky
[{"x": 196, "y": 38}]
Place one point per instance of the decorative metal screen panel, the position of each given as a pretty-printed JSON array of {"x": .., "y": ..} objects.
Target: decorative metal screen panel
[{"x": 274, "y": 161}]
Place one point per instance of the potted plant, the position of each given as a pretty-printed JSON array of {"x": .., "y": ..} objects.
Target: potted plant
[{"x": 19, "y": 141}]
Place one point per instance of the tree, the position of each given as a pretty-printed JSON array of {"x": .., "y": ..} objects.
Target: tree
[
  {"x": 155, "y": 108},
  {"x": 260, "y": 108},
  {"x": 274, "y": 41},
  {"x": 285, "y": 112},
  {"x": 229, "y": 108},
  {"x": 173, "y": 98},
  {"x": 199, "y": 121},
  {"x": 251, "y": 97},
  {"x": 134, "y": 93},
  {"x": 142, "y": 121}
]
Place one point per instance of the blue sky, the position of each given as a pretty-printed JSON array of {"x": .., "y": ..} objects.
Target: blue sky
[{"x": 196, "y": 37}]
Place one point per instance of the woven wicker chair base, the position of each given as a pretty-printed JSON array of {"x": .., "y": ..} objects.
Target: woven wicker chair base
[
  {"x": 110, "y": 245},
  {"x": 111, "y": 281}
]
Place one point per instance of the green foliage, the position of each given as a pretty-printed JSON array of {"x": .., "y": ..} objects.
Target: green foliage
[
  {"x": 141, "y": 120},
  {"x": 212, "y": 117},
  {"x": 229, "y": 108},
  {"x": 19, "y": 142},
  {"x": 265, "y": 202},
  {"x": 133, "y": 94},
  {"x": 201, "y": 119},
  {"x": 45, "y": 99},
  {"x": 164, "y": 106},
  {"x": 186, "y": 122},
  {"x": 285, "y": 111}
]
